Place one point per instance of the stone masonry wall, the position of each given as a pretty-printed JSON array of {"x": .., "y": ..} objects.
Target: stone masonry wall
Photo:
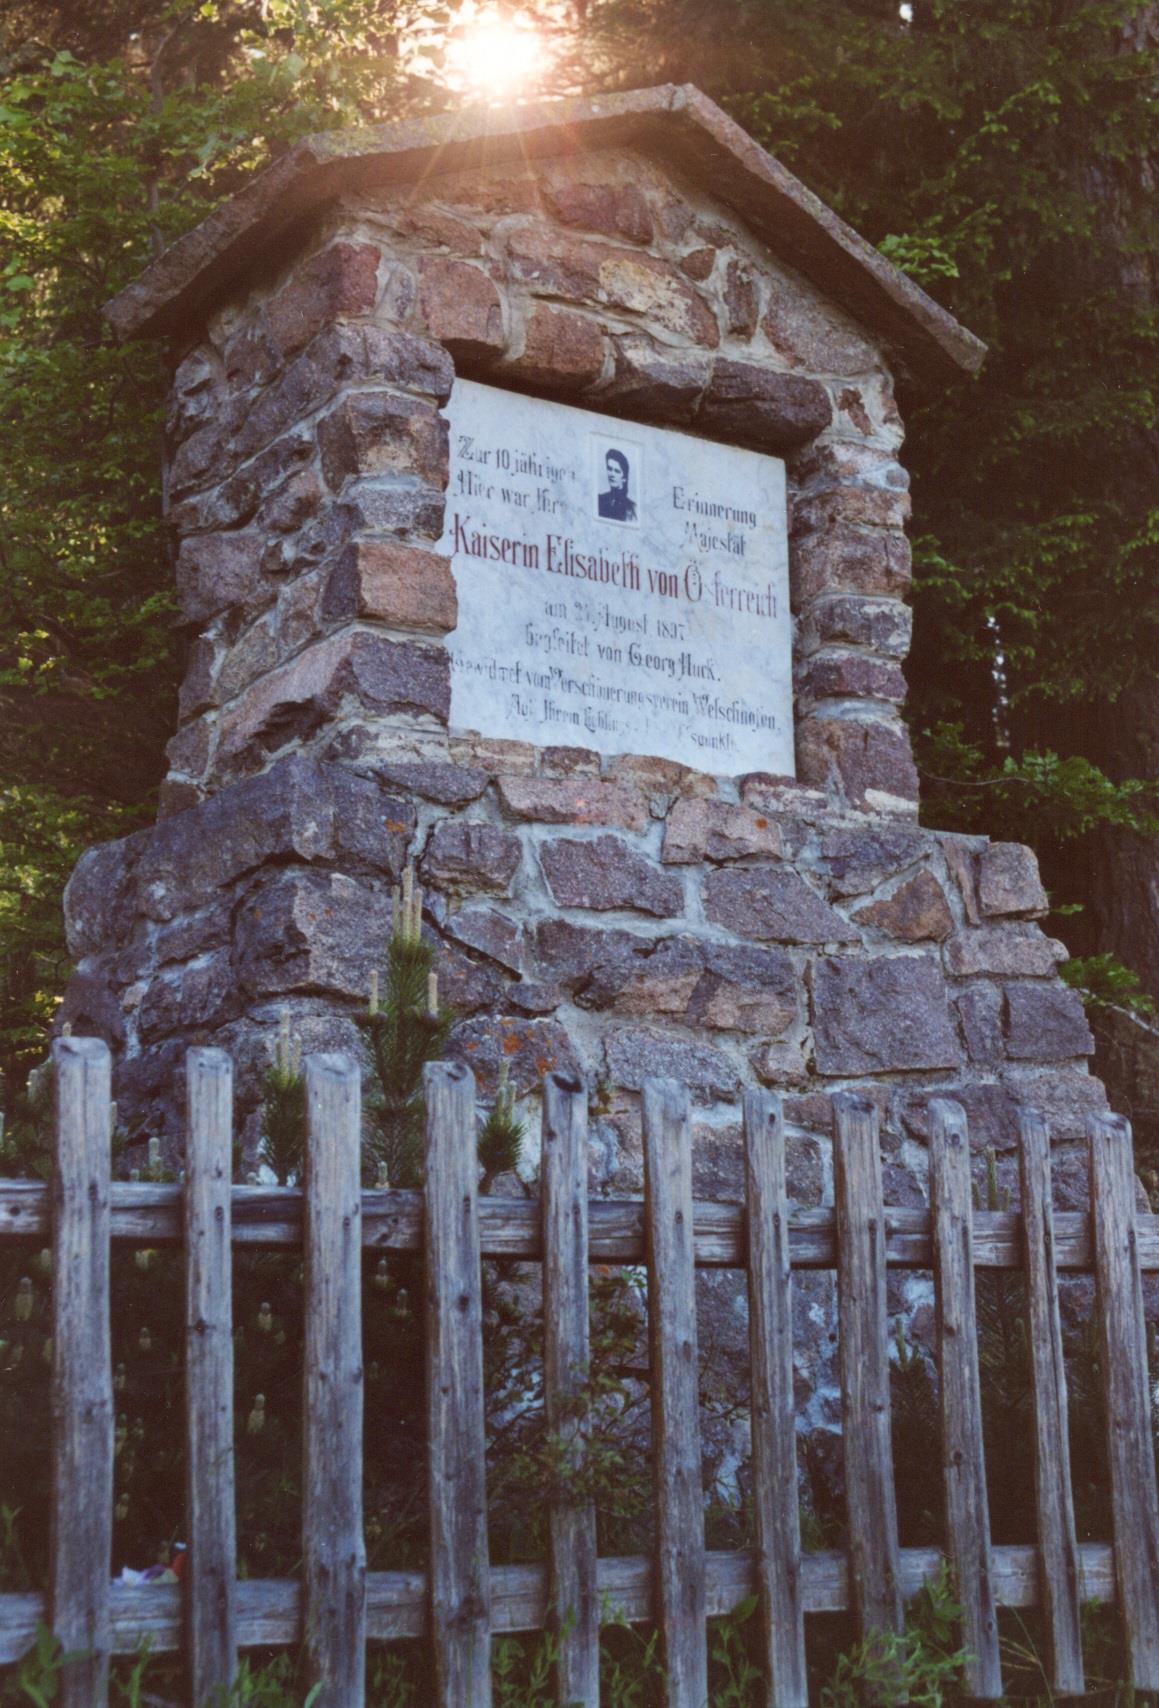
[
  {"x": 625, "y": 917},
  {"x": 309, "y": 455}
]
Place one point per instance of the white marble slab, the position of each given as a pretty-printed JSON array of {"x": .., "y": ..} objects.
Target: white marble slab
[{"x": 633, "y": 603}]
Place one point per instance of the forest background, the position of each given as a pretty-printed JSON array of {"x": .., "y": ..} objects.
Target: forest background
[{"x": 1002, "y": 152}]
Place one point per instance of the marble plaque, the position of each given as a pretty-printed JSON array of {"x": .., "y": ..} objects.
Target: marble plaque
[{"x": 621, "y": 587}]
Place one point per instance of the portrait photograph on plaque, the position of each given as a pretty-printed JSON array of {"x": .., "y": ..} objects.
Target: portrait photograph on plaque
[{"x": 617, "y": 480}]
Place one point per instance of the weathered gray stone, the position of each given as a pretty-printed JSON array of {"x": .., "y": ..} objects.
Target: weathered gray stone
[
  {"x": 779, "y": 1063},
  {"x": 461, "y": 307},
  {"x": 196, "y": 693},
  {"x": 800, "y": 328},
  {"x": 917, "y": 911},
  {"x": 219, "y": 572},
  {"x": 317, "y": 931},
  {"x": 436, "y": 780},
  {"x": 1045, "y": 1022},
  {"x": 872, "y": 762},
  {"x": 561, "y": 349},
  {"x": 699, "y": 829},
  {"x": 527, "y": 1048},
  {"x": 585, "y": 272},
  {"x": 533, "y": 999},
  {"x": 375, "y": 433},
  {"x": 882, "y": 1016},
  {"x": 581, "y": 800},
  {"x": 341, "y": 279},
  {"x": 773, "y": 904},
  {"x": 613, "y": 210},
  {"x": 741, "y": 300},
  {"x": 492, "y": 934},
  {"x": 556, "y": 761},
  {"x": 185, "y": 999},
  {"x": 745, "y": 990},
  {"x": 463, "y": 857},
  {"x": 298, "y": 809},
  {"x": 393, "y": 504},
  {"x": 294, "y": 702},
  {"x": 959, "y": 852},
  {"x": 1065, "y": 1098},
  {"x": 91, "y": 1009},
  {"x": 572, "y": 953},
  {"x": 849, "y": 560},
  {"x": 842, "y": 675},
  {"x": 99, "y": 898},
  {"x": 467, "y": 986},
  {"x": 1004, "y": 950},
  {"x": 884, "y": 626},
  {"x": 400, "y": 585},
  {"x": 648, "y": 379},
  {"x": 757, "y": 406},
  {"x": 190, "y": 934},
  {"x": 251, "y": 357},
  {"x": 606, "y": 874},
  {"x": 1008, "y": 880},
  {"x": 632, "y": 1056},
  {"x": 861, "y": 505},
  {"x": 251, "y": 656},
  {"x": 980, "y": 1011}
]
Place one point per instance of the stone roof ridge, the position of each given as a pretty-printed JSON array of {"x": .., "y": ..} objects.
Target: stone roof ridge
[{"x": 678, "y": 123}]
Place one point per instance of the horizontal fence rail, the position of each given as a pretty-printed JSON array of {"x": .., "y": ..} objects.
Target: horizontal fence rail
[
  {"x": 456, "y": 1607},
  {"x": 269, "y": 1611},
  {"x": 271, "y": 1217}
]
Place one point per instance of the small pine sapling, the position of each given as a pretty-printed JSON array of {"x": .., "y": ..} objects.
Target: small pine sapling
[
  {"x": 404, "y": 1031},
  {"x": 501, "y": 1137},
  {"x": 284, "y": 1107}
]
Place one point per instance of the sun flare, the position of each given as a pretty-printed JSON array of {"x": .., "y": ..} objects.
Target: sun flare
[{"x": 493, "y": 54}]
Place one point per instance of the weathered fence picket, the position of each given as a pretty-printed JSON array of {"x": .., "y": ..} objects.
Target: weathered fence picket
[
  {"x": 575, "y": 1608},
  {"x": 210, "y": 1520},
  {"x": 81, "y": 1544},
  {"x": 1126, "y": 1394},
  {"x": 338, "y": 1606},
  {"x": 333, "y": 1549},
  {"x": 776, "y": 1502},
  {"x": 1054, "y": 1499},
  {"x": 460, "y": 1578},
  {"x": 963, "y": 1464},
  {"x": 862, "y": 1327},
  {"x": 675, "y": 1370}
]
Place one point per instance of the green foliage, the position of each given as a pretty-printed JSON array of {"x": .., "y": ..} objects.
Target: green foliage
[
  {"x": 35, "y": 1678},
  {"x": 403, "y": 1033},
  {"x": 501, "y": 1136},
  {"x": 283, "y": 1113},
  {"x": 921, "y": 1665},
  {"x": 113, "y": 140},
  {"x": 1104, "y": 982}
]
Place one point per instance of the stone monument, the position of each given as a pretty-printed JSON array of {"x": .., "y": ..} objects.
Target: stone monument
[{"x": 537, "y": 517}]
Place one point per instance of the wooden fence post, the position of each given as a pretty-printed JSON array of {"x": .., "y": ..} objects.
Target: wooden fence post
[
  {"x": 862, "y": 1324},
  {"x": 1054, "y": 1499},
  {"x": 774, "y": 1412},
  {"x": 210, "y": 1521},
  {"x": 460, "y": 1573},
  {"x": 573, "y": 1592},
  {"x": 333, "y": 1548},
  {"x": 1126, "y": 1393},
  {"x": 675, "y": 1366},
  {"x": 963, "y": 1463},
  {"x": 81, "y": 1542}
]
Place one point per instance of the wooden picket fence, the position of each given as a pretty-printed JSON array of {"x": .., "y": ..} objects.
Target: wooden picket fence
[{"x": 336, "y": 1605}]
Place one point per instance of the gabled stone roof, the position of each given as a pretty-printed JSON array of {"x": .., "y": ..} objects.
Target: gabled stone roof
[{"x": 678, "y": 125}]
